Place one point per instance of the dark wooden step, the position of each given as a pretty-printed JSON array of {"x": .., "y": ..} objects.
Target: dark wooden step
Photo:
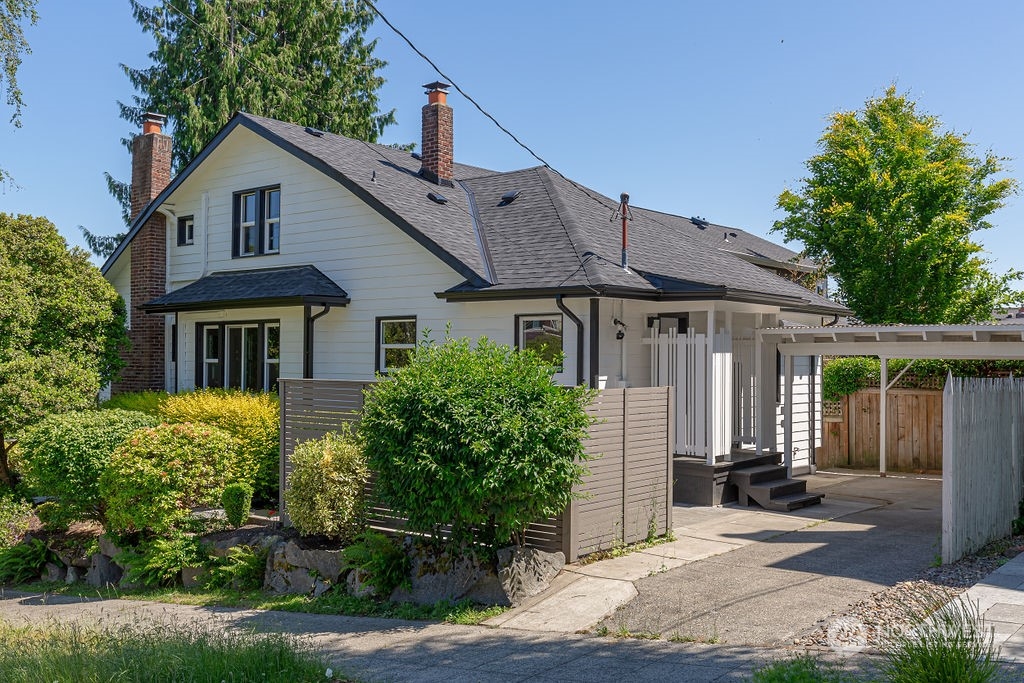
[
  {"x": 758, "y": 474},
  {"x": 793, "y": 501},
  {"x": 776, "y": 488}
]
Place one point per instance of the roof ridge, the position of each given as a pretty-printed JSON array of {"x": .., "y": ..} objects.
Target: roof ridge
[{"x": 566, "y": 218}]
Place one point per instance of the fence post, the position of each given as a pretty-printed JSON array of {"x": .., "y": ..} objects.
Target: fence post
[
  {"x": 282, "y": 514},
  {"x": 670, "y": 421}
]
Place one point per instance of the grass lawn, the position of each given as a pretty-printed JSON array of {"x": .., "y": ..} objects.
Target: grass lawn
[
  {"x": 66, "y": 653},
  {"x": 332, "y": 602}
]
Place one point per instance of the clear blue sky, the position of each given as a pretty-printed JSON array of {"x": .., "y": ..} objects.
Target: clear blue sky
[{"x": 694, "y": 108}]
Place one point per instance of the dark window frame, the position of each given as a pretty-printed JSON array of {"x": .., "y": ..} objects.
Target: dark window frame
[
  {"x": 199, "y": 381},
  {"x": 260, "y": 221},
  {"x": 378, "y": 337},
  {"x": 518, "y": 332},
  {"x": 184, "y": 239}
]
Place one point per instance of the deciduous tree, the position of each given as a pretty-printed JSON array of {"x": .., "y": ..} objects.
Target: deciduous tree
[
  {"x": 61, "y": 327},
  {"x": 890, "y": 207},
  {"x": 12, "y": 45}
]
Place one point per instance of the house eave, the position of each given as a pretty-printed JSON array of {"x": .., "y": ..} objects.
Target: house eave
[{"x": 267, "y": 302}]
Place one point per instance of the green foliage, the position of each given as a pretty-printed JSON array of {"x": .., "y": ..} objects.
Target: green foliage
[
  {"x": 475, "y": 437},
  {"x": 842, "y": 376},
  {"x": 147, "y": 402},
  {"x": 236, "y": 501},
  {"x": 325, "y": 490},
  {"x": 14, "y": 518},
  {"x": 160, "y": 652},
  {"x": 889, "y": 207},
  {"x": 951, "y": 645},
  {"x": 305, "y": 61},
  {"x": 53, "y": 516},
  {"x": 13, "y": 14},
  {"x": 65, "y": 455},
  {"x": 23, "y": 562},
  {"x": 381, "y": 559},
  {"x": 803, "y": 668},
  {"x": 159, "y": 562},
  {"x": 253, "y": 419},
  {"x": 242, "y": 569},
  {"x": 61, "y": 327},
  {"x": 160, "y": 474}
]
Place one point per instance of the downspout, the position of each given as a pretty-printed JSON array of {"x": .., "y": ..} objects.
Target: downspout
[
  {"x": 307, "y": 350},
  {"x": 579, "y": 337}
]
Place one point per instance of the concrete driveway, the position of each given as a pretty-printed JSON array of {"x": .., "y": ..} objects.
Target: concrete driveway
[{"x": 771, "y": 591}]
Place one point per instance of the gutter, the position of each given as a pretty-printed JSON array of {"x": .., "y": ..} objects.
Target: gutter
[
  {"x": 579, "y": 337},
  {"x": 307, "y": 338}
]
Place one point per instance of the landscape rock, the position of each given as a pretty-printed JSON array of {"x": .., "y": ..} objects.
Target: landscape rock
[
  {"x": 108, "y": 547},
  {"x": 102, "y": 571},
  {"x": 72, "y": 557},
  {"x": 440, "y": 575},
  {"x": 192, "y": 576},
  {"x": 283, "y": 577},
  {"x": 320, "y": 587},
  {"x": 259, "y": 537},
  {"x": 525, "y": 572},
  {"x": 73, "y": 575},
  {"x": 356, "y": 584},
  {"x": 54, "y": 572},
  {"x": 326, "y": 563}
]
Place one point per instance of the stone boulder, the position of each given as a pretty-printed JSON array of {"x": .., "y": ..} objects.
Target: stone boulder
[
  {"x": 257, "y": 537},
  {"x": 102, "y": 572},
  {"x": 526, "y": 572},
  {"x": 296, "y": 570},
  {"x": 54, "y": 572},
  {"x": 108, "y": 547}
]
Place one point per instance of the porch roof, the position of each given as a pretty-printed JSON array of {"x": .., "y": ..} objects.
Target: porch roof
[
  {"x": 983, "y": 341},
  {"x": 288, "y": 286}
]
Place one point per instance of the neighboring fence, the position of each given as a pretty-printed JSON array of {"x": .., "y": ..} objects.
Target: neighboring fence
[
  {"x": 699, "y": 369},
  {"x": 627, "y": 493},
  {"x": 850, "y": 431},
  {"x": 983, "y": 458}
]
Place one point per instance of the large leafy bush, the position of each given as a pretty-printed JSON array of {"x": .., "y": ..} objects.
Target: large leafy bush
[
  {"x": 65, "y": 455},
  {"x": 251, "y": 418},
  {"x": 842, "y": 376},
  {"x": 14, "y": 519},
  {"x": 143, "y": 401},
  {"x": 325, "y": 492},
  {"x": 159, "y": 474},
  {"x": 475, "y": 437}
]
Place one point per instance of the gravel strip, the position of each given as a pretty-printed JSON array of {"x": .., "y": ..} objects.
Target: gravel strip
[{"x": 898, "y": 608}]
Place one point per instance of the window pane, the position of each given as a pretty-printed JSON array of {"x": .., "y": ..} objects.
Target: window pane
[
  {"x": 272, "y": 376},
  {"x": 235, "y": 357},
  {"x": 248, "y": 208},
  {"x": 213, "y": 375},
  {"x": 212, "y": 345},
  {"x": 190, "y": 231},
  {"x": 396, "y": 358},
  {"x": 398, "y": 331},
  {"x": 274, "y": 204},
  {"x": 543, "y": 336},
  {"x": 273, "y": 342},
  {"x": 274, "y": 236},
  {"x": 249, "y": 247},
  {"x": 250, "y": 360}
]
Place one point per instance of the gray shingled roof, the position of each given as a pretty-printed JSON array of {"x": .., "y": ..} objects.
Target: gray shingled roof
[
  {"x": 556, "y": 237},
  {"x": 289, "y": 286}
]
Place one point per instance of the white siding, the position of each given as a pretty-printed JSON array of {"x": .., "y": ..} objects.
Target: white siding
[{"x": 803, "y": 381}]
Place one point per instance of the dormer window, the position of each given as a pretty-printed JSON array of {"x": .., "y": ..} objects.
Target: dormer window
[{"x": 257, "y": 222}]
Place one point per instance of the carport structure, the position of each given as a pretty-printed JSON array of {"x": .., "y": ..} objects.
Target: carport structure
[{"x": 982, "y": 341}]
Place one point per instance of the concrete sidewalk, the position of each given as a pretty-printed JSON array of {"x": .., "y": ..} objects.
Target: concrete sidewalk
[{"x": 1000, "y": 601}]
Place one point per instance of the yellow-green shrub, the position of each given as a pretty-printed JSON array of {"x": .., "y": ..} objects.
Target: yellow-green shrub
[
  {"x": 160, "y": 473},
  {"x": 324, "y": 493},
  {"x": 147, "y": 402},
  {"x": 251, "y": 418}
]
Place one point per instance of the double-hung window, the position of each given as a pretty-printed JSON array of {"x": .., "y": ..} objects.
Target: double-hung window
[
  {"x": 242, "y": 355},
  {"x": 396, "y": 340},
  {"x": 257, "y": 222},
  {"x": 542, "y": 334}
]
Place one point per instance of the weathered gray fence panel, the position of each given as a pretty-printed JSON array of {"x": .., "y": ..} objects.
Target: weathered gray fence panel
[
  {"x": 627, "y": 491},
  {"x": 983, "y": 454}
]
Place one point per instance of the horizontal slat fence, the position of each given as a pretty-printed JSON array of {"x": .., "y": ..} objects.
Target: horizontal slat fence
[
  {"x": 982, "y": 462},
  {"x": 627, "y": 494}
]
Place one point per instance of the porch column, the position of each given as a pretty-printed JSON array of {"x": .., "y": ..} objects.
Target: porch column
[
  {"x": 788, "y": 412},
  {"x": 710, "y": 391},
  {"x": 758, "y": 389},
  {"x": 883, "y": 390}
]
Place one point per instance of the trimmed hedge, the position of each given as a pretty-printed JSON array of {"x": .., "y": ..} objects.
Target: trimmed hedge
[
  {"x": 325, "y": 490},
  {"x": 842, "y": 376}
]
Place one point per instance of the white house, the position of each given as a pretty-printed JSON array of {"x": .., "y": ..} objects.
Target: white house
[{"x": 284, "y": 251}]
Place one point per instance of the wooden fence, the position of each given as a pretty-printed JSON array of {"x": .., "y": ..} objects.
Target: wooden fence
[
  {"x": 983, "y": 459},
  {"x": 626, "y": 496},
  {"x": 914, "y": 424}
]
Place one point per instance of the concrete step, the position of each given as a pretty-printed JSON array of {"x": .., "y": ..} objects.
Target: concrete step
[
  {"x": 793, "y": 501},
  {"x": 758, "y": 474}
]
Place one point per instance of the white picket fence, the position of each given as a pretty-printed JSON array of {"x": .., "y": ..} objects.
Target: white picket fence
[
  {"x": 744, "y": 390},
  {"x": 982, "y": 461},
  {"x": 701, "y": 371}
]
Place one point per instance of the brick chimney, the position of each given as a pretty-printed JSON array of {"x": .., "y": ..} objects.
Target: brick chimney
[
  {"x": 151, "y": 173},
  {"x": 438, "y": 136}
]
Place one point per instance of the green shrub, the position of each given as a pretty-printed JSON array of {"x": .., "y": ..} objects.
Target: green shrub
[
  {"x": 147, "y": 402},
  {"x": 237, "y": 502},
  {"x": 241, "y": 569},
  {"x": 253, "y": 419},
  {"x": 159, "y": 562},
  {"x": 325, "y": 490},
  {"x": 842, "y": 376},
  {"x": 160, "y": 474},
  {"x": 475, "y": 437},
  {"x": 65, "y": 455},
  {"x": 381, "y": 559},
  {"x": 53, "y": 516},
  {"x": 14, "y": 518},
  {"x": 949, "y": 645},
  {"x": 24, "y": 562}
]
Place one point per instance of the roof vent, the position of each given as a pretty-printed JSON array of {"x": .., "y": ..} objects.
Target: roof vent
[
  {"x": 437, "y": 198},
  {"x": 699, "y": 222},
  {"x": 414, "y": 155},
  {"x": 315, "y": 132},
  {"x": 509, "y": 197}
]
